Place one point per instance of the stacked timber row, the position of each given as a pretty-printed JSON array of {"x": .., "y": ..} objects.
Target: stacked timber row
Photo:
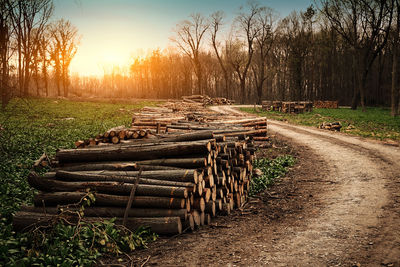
[
  {"x": 206, "y": 100},
  {"x": 114, "y": 136},
  {"x": 326, "y": 104},
  {"x": 287, "y": 107},
  {"x": 180, "y": 180}
]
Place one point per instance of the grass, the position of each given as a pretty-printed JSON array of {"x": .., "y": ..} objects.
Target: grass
[
  {"x": 374, "y": 122},
  {"x": 29, "y": 127}
]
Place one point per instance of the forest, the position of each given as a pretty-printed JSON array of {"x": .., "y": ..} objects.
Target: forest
[{"x": 343, "y": 50}]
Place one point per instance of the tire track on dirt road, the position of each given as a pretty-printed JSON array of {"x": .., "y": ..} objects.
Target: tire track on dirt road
[{"x": 360, "y": 217}]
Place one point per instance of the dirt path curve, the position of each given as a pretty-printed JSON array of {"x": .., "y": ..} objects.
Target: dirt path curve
[
  {"x": 339, "y": 207},
  {"x": 365, "y": 173}
]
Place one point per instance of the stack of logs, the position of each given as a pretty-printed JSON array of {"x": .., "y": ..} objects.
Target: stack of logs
[
  {"x": 206, "y": 100},
  {"x": 326, "y": 104},
  {"x": 333, "y": 126},
  {"x": 114, "y": 136},
  {"x": 296, "y": 107},
  {"x": 287, "y": 107},
  {"x": 185, "y": 176}
]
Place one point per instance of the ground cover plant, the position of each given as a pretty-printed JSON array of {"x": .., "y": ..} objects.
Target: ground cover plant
[
  {"x": 375, "y": 122},
  {"x": 30, "y": 127},
  {"x": 271, "y": 170}
]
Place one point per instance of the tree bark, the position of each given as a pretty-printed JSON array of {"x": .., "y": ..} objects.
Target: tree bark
[
  {"x": 136, "y": 153},
  {"x": 112, "y": 212},
  {"x": 179, "y": 175},
  {"x": 60, "y": 198},
  {"x": 161, "y": 225},
  {"x": 119, "y": 188}
]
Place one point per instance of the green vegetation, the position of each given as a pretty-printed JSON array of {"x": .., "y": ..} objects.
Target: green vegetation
[
  {"x": 375, "y": 122},
  {"x": 29, "y": 127},
  {"x": 63, "y": 244},
  {"x": 271, "y": 170}
]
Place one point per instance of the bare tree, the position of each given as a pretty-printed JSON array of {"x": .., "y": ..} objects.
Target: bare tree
[
  {"x": 27, "y": 16},
  {"x": 5, "y": 33},
  {"x": 189, "y": 37},
  {"x": 264, "y": 40},
  {"x": 365, "y": 25},
  {"x": 395, "y": 43},
  {"x": 64, "y": 47},
  {"x": 216, "y": 23},
  {"x": 241, "y": 62}
]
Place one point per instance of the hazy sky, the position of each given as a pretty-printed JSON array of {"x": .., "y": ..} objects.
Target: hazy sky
[{"x": 112, "y": 31}]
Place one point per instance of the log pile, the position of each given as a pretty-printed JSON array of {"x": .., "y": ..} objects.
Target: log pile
[
  {"x": 333, "y": 126},
  {"x": 114, "y": 136},
  {"x": 296, "y": 107},
  {"x": 326, "y": 104},
  {"x": 267, "y": 105},
  {"x": 183, "y": 173},
  {"x": 287, "y": 107},
  {"x": 206, "y": 100},
  {"x": 276, "y": 105}
]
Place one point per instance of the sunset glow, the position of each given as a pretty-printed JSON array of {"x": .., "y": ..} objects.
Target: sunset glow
[{"x": 112, "y": 32}]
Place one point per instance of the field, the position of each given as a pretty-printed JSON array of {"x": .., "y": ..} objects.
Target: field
[
  {"x": 375, "y": 122},
  {"x": 31, "y": 127}
]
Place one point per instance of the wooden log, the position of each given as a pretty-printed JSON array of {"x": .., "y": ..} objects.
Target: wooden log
[
  {"x": 196, "y": 218},
  {"x": 180, "y": 175},
  {"x": 206, "y": 194},
  {"x": 177, "y": 162},
  {"x": 51, "y": 185},
  {"x": 126, "y": 179},
  {"x": 226, "y": 209},
  {"x": 115, "y": 139},
  {"x": 135, "y": 153},
  {"x": 41, "y": 162},
  {"x": 202, "y": 218},
  {"x": 60, "y": 198},
  {"x": 199, "y": 204},
  {"x": 112, "y": 212},
  {"x": 210, "y": 208},
  {"x": 23, "y": 221},
  {"x": 189, "y": 223},
  {"x": 207, "y": 220}
]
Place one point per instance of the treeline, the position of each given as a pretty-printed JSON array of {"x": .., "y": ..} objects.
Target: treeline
[
  {"x": 342, "y": 50},
  {"x": 35, "y": 54}
]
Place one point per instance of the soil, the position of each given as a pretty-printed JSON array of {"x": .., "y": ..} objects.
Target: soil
[{"x": 338, "y": 206}]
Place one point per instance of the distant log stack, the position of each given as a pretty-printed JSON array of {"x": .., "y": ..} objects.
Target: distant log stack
[
  {"x": 267, "y": 105},
  {"x": 206, "y": 100},
  {"x": 333, "y": 126},
  {"x": 191, "y": 170},
  {"x": 288, "y": 107},
  {"x": 296, "y": 107},
  {"x": 326, "y": 104},
  {"x": 276, "y": 105}
]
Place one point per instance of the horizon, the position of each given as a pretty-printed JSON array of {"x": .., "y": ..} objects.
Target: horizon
[{"x": 135, "y": 28}]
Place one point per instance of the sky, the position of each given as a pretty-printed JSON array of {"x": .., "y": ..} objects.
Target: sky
[{"x": 114, "y": 31}]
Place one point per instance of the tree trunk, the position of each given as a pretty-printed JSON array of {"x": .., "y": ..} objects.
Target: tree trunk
[
  {"x": 111, "y": 166},
  {"x": 135, "y": 153},
  {"x": 50, "y": 185},
  {"x": 61, "y": 198},
  {"x": 394, "y": 89},
  {"x": 180, "y": 175},
  {"x": 162, "y": 225},
  {"x": 112, "y": 212}
]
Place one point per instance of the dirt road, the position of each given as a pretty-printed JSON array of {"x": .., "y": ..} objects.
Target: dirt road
[{"x": 340, "y": 206}]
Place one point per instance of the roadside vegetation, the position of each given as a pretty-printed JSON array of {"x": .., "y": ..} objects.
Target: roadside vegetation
[
  {"x": 28, "y": 128},
  {"x": 374, "y": 122},
  {"x": 271, "y": 170}
]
